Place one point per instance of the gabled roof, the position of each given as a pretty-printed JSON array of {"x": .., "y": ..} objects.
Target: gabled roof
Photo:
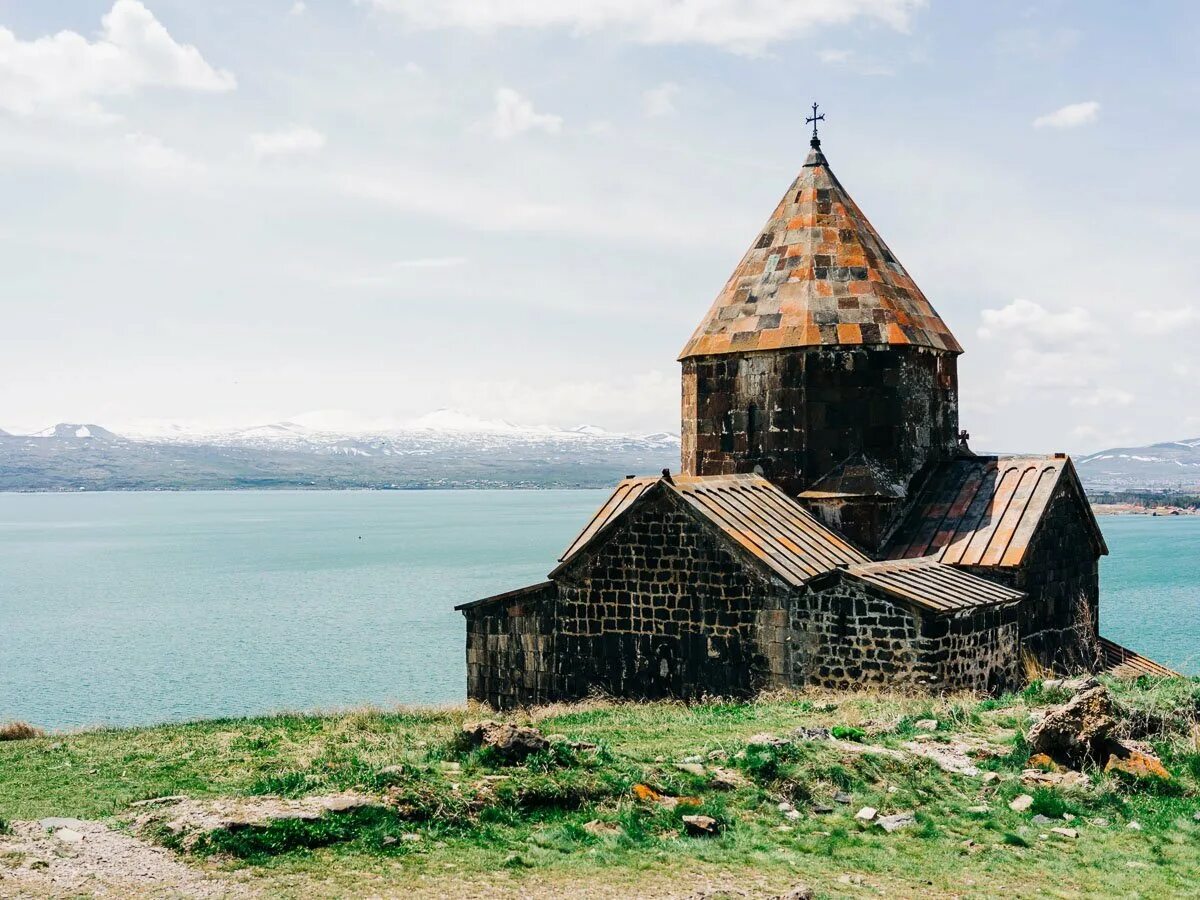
[
  {"x": 748, "y": 510},
  {"x": 858, "y": 476},
  {"x": 984, "y": 510},
  {"x": 818, "y": 274},
  {"x": 1121, "y": 662},
  {"x": 925, "y": 583},
  {"x": 929, "y": 584}
]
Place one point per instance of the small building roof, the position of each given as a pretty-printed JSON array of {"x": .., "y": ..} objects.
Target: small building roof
[
  {"x": 931, "y": 585},
  {"x": 984, "y": 510},
  {"x": 1121, "y": 662},
  {"x": 818, "y": 274},
  {"x": 750, "y": 511},
  {"x": 858, "y": 476}
]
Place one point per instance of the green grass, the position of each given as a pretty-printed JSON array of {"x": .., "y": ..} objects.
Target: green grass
[{"x": 463, "y": 822}]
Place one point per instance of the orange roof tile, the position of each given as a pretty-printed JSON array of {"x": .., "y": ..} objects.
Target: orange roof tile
[
  {"x": 984, "y": 510},
  {"x": 817, "y": 249}
]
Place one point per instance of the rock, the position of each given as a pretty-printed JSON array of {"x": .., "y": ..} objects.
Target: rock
[
  {"x": 1099, "y": 822},
  {"x": 1196, "y": 817},
  {"x": 411, "y": 837},
  {"x": 645, "y": 792},
  {"x": 389, "y": 841},
  {"x": 866, "y": 814},
  {"x": 1068, "y": 817},
  {"x": 701, "y": 826},
  {"x": 766, "y": 739},
  {"x": 822, "y": 808},
  {"x": 979, "y": 809},
  {"x": 692, "y": 768},
  {"x": 1040, "y": 820},
  {"x": 717, "y": 756},
  {"x": 695, "y": 758},
  {"x": 1136, "y": 762},
  {"x": 1069, "y": 833},
  {"x": 853, "y": 878},
  {"x": 1134, "y": 826},
  {"x": 926, "y": 724},
  {"x": 991, "y": 777},
  {"x": 811, "y": 734},
  {"x": 601, "y": 829},
  {"x": 727, "y": 780},
  {"x": 951, "y": 757},
  {"x": 784, "y": 806},
  {"x": 53, "y": 823},
  {"x": 68, "y": 835},
  {"x": 1071, "y": 730},
  {"x": 792, "y": 814},
  {"x": 843, "y": 798},
  {"x": 1042, "y": 761},
  {"x": 1021, "y": 803},
  {"x": 512, "y": 742},
  {"x": 896, "y": 822},
  {"x": 1067, "y": 779},
  {"x": 799, "y": 892}
]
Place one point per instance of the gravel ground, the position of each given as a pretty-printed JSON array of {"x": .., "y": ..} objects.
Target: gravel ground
[{"x": 71, "y": 857}]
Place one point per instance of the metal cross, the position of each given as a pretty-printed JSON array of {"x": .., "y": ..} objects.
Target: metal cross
[{"x": 814, "y": 119}]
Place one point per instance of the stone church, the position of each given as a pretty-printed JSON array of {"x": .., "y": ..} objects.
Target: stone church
[{"x": 829, "y": 525}]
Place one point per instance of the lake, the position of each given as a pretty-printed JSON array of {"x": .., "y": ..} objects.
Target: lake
[{"x": 130, "y": 608}]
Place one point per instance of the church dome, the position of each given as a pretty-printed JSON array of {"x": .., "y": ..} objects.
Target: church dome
[{"x": 818, "y": 275}]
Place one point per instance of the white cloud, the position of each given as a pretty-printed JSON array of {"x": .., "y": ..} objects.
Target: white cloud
[
  {"x": 745, "y": 26},
  {"x": 1164, "y": 321},
  {"x": 402, "y": 269},
  {"x": 834, "y": 56},
  {"x": 1071, "y": 116},
  {"x": 660, "y": 100},
  {"x": 1106, "y": 397},
  {"x": 299, "y": 8},
  {"x": 414, "y": 69},
  {"x": 1033, "y": 322},
  {"x": 66, "y": 74},
  {"x": 149, "y": 153},
  {"x": 290, "y": 142},
  {"x": 515, "y": 115}
]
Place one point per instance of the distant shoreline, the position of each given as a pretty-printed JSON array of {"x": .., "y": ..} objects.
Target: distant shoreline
[{"x": 1131, "y": 509}]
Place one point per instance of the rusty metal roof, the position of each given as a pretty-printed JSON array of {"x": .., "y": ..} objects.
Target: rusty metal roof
[
  {"x": 984, "y": 510},
  {"x": 933, "y": 586},
  {"x": 818, "y": 274},
  {"x": 859, "y": 476},
  {"x": 1120, "y": 662},
  {"x": 748, "y": 510}
]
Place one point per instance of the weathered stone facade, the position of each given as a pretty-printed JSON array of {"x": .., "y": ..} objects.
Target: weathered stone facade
[
  {"x": 1060, "y": 626},
  {"x": 847, "y": 634},
  {"x": 662, "y": 607},
  {"x": 797, "y": 413}
]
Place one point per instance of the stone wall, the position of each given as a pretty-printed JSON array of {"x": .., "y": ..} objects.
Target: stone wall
[
  {"x": 510, "y": 648},
  {"x": 1061, "y": 574},
  {"x": 847, "y": 634},
  {"x": 663, "y": 607},
  {"x": 798, "y": 413}
]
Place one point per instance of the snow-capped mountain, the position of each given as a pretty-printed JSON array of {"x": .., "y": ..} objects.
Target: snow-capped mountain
[
  {"x": 1169, "y": 465},
  {"x": 445, "y": 448}
]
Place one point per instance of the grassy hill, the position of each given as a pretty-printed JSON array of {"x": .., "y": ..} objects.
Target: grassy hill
[{"x": 600, "y": 812}]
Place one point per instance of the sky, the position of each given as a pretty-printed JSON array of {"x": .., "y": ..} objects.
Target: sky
[{"x": 243, "y": 211}]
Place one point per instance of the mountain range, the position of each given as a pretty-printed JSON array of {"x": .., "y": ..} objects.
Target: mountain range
[{"x": 444, "y": 449}]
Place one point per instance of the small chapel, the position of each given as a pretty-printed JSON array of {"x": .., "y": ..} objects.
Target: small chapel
[{"x": 829, "y": 525}]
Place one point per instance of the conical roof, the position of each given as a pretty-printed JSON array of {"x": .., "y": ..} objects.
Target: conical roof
[{"x": 818, "y": 275}]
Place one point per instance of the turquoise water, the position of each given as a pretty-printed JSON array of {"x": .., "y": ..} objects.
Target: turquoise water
[{"x": 130, "y": 608}]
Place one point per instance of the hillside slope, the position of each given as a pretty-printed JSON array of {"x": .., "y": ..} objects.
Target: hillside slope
[{"x": 793, "y": 790}]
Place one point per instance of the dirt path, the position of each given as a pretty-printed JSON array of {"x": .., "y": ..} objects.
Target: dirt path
[{"x": 70, "y": 857}]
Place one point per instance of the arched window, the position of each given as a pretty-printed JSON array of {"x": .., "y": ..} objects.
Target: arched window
[
  {"x": 727, "y": 433},
  {"x": 752, "y": 428}
]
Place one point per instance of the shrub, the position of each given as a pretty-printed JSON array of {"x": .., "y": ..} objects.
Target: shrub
[{"x": 19, "y": 731}]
